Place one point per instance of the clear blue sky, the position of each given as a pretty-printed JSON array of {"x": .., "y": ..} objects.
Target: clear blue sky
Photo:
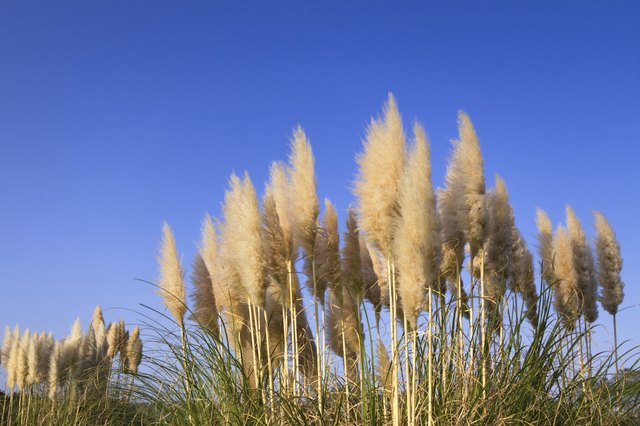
[{"x": 118, "y": 115}]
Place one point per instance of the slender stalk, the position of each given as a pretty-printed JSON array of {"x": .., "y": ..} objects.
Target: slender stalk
[
  {"x": 284, "y": 384},
  {"x": 483, "y": 332},
  {"x": 430, "y": 361},
  {"x": 472, "y": 363},
  {"x": 269, "y": 362},
  {"x": 319, "y": 333},
  {"x": 615, "y": 344},
  {"x": 346, "y": 371},
  {"x": 406, "y": 370},
  {"x": 393, "y": 315}
]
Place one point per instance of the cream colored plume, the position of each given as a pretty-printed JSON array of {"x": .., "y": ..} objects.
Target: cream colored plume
[
  {"x": 545, "y": 245},
  {"x": 56, "y": 378},
  {"x": 134, "y": 351},
  {"x": 473, "y": 165},
  {"x": 22, "y": 364},
  {"x": 5, "y": 353},
  {"x": 498, "y": 243},
  {"x": 380, "y": 167},
  {"x": 205, "y": 311},
  {"x": 328, "y": 272},
  {"x": 584, "y": 265},
  {"x": 244, "y": 243},
  {"x": 609, "y": 265},
  {"x": 279, "y": 189},
  {"x": 276, "y": 249},
  {"x": 171, "y": 285},
  {"x": 208, "y": 243},
  {"x": 33, "y": 360},
  {"x": 417, "y": 241},
  {"x": 565, "y": 287},
  {"x": 522, "y": 278},
  {"x": 351, "y": 257},
  {"x": 97, "y": 325},
  {"x": 303, "y": 199}
]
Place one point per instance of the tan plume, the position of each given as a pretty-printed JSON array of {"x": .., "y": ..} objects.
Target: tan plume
[
  {"x": 584, "y": 265},
  {"x": 205, "y": 310},
  {"x": 380, "y": 167},
  {"x": 303, "y": 199},
  {"x": 171, "y": 285},
  {"x": 609, "y": 265},
  {"x": 417, "y": 242},
  {"x": 545, "y": 245}
]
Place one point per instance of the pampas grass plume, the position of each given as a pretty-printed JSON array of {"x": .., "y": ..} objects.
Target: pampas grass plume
[
  {"x": 473, "y": 165},
  {"x": 566, "y": 278},
  {"x": 204, "y": 303},
  {"x": 584, "y": 265},
  {"x": 380, "y": 167},
  {"x": 134, "y": 351},
  {"x": 243, "y": 244},
  {"x": 208, "y": 244},
  {"x": 609, "y": 265},
  {"x": 351, "y": 257},
  {"x": 171, "y": 286},
  {"x": 416, "y": 245},
  {"x": 303, "y": 199},
  {"x": 545, "y": 245}
]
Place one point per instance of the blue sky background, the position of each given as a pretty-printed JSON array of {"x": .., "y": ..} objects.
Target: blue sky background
[{"x": 118, "y": 115}]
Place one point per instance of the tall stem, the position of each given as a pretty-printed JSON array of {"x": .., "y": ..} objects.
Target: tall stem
[
  {"x": 319, "y": 333},
  {"x": 430, "y": 360},
  {"x": 483, "y": 332},
  {"x": 615, "y": 344}
]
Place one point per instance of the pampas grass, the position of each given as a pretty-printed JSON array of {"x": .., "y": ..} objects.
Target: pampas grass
[
  {"x": 262, "y": 365},
  {"x": 609, "y": 268},
  {"x": 545, "y": 245},
  {"x": 498, "y": 246},
  {"x": 565, "y": 284},
  {"x": 302, "y": 197},
  {"x": 171, "y": 283},
  {"x": 204, "y": 302},
  {"x": 417, "y": 243}
]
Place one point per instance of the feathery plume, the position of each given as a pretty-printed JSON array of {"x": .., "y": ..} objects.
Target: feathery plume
[
  {"x": 55, "y": 371},
  {"x": 44, "y": 356},
  {"x": 566, "y": 279},
  {"x": 97, "y": 325},
  {"x": 208, "y": 243},
  {"x": 277, "y": 250},
  {"x": 471, "y": 157},
  {"x": 204, "y": 303},
  {"x": 171, "y": 277},
  {"x": 303, "y": 199},
  {"x": 134, "y": 351},
  {"x": 33, "y": 360},
  {"x": 584, "y": 265},
  {"x": 545, "y": 245},
  {"x": 244, "y": 245},
  {"x": 522, "y": 277},
  {"x": 609, "y": 265},
  {"x": 327, "y": 254},
  {"x": 278, "y": 187},
  {"x": 5, "y": 352},
  {"x": 351, "y": 257},
  {"x": 380, "y": 167},
  {"x": 417, "y": 242},
  {"x": 498, "y": 243},
  {"x": 22, "y": 364}
]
